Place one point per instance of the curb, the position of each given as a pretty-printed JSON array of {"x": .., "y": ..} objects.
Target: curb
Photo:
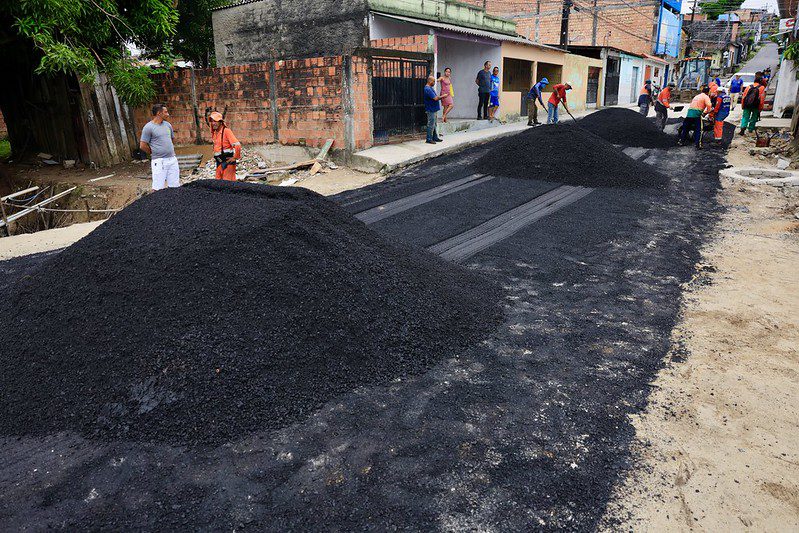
[{"x": 757, "y": 175}]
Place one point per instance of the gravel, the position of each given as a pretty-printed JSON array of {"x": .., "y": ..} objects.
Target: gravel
[
  {"x": 566, "y": 154},
  {"x": 625, "y": 126},
  {"x": 204, "y": 313}
]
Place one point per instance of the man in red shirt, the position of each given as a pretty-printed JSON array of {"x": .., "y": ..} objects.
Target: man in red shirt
[
  {"x": 558, "y": 96},
  {"x": 227, "y": 148},
  {"x": 662, "y": 105}
]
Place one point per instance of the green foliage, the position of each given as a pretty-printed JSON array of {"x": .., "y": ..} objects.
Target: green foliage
[
  {"x": 714, "y": 8},
  {"x": 792, "y": 52},
  {"x": 89, "y": 36},
  {"x": 195, "y": 37},
  {"x": 5, "y": 149}
]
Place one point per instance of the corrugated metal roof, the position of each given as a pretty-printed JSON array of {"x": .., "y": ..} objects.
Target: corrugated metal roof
[{"x": 469, "y": 31}]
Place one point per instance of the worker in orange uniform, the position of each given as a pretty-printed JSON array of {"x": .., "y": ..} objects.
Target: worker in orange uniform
[
  {"x": 227, "y": 148},
  {"x": 645, "y": 98},
  {"x": 700, "y": 105},
  {"x": 752, "y": 101},
  {"x": 663, "y": 104},
  {"x": 721, "y": 110}
]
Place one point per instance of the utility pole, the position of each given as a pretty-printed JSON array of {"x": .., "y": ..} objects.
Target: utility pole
[
  {"x": 564, "y": 24},
  {"x": 593, "y": 29},
  {"x": 693, "y": 11}
]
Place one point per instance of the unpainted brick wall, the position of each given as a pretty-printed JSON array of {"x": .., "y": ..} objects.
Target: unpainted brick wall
[
  {"x": 411, "y": 43},
  {"x": 309, "y": 101},
  {"x": 629, "y": 26}
]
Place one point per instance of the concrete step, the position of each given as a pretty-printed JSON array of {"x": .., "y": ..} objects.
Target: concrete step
[{"x": 462, "y": 125}]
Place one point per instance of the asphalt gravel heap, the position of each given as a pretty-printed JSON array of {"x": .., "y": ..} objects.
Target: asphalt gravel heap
[
  {"x": 204, "y": 313},
  {"x": 625, "y": 126},
  {"x": 567, "y": 154}
]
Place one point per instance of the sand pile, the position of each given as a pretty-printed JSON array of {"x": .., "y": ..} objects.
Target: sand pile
[
  {"x": 203, "y": 313},
  {"x": 625, "y": 126},
  {"x": 566, "y": 154}
]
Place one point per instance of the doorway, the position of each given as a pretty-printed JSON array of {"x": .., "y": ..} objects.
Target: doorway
[{"x": 634, "y": 86}]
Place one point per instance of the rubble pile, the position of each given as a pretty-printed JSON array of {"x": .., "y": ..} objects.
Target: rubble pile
[
  {"x": 248, "y": 162},
  {"x": 567, "y": 154},
  {"x": 204, "y": 313},
  {"x": 627, "y": 127},
  {"x": 781, "y": 151}
]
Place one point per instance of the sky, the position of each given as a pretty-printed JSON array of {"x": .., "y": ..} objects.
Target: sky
[{"x": 771, "y": 5}]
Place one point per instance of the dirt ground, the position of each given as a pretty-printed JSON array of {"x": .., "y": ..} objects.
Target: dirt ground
[{"x": 717, "y": 445}]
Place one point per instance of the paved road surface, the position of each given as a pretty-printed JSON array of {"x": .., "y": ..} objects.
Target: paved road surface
[{"x": 765, "y": 57}]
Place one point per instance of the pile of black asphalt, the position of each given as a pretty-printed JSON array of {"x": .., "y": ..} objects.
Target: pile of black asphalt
[
  {"x": 626, "y": 127},
  {"x": 201, "y": 314},
  {"x": 567, "y": 154},
  {"x": 529, "y": 430}
]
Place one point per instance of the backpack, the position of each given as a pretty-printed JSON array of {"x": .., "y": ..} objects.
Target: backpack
[{"x": 752, "y": 98}]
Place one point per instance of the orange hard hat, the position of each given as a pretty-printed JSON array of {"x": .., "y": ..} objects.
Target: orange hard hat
[{"x": 216, "y": 115}]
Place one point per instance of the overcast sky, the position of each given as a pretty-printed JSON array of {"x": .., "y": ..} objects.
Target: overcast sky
[{"x": 771, "y": 5}]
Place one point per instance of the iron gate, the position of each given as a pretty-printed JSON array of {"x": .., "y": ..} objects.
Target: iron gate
[
  {"x": 612, "y": 81},
  {"x": 593, "y": 85},
  {"x": 397, "y": 97}
]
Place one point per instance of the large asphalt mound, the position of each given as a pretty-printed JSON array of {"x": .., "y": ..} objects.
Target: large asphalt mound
[
  {"x": 201, "y": 314},
  {"x": 567, "y": 154},
  {"x": 625, "y": 126}
]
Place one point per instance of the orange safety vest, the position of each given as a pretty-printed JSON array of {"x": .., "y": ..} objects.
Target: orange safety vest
[{"x": 664, "y": 97}]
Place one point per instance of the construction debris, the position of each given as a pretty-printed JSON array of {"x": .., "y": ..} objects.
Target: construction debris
[{"x": 206, "y": 312}]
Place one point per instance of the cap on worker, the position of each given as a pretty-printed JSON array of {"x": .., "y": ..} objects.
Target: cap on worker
[
  {"x": 545, "y": 81},
  {"x": 216, "y": 115},
  {"x": 568, "y": 85}
]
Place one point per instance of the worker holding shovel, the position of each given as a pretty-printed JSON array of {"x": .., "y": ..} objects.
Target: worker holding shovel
[{"x": 558, "y": 96}]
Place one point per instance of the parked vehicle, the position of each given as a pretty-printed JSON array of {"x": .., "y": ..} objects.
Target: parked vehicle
[{"x": 747, "y": 77}]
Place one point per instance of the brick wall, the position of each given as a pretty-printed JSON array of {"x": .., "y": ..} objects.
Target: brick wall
[
  {"x": 3, "y": 127},
  {"x": 625, "y": 25},
  {"x": 308, "y": 99},
  {"x": 412, "y": 43}
]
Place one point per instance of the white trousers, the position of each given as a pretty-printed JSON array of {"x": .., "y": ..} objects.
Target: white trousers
[{"x": 166, "y": 172}]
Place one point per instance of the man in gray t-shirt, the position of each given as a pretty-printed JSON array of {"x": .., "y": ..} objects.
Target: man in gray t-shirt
[
  {"x": 483, "y": 82},
  {"x": 156, "y": 140}
]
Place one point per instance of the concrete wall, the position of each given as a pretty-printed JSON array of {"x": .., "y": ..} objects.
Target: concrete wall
[
  {"x": 384, "y": 27},
  {"x": 787, "y": 87},
  {"x": 288, "y": 29},
  {"x": 629, "y": 87},
  {"x": 465, "y": 57},
  {"x": 575, "y": 71}
]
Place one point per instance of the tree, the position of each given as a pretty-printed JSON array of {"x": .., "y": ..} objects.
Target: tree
[
  {"x": 194, "y": 38},
  {"x": 85, "y": 37},
  {"x": 714, "y": 8}
]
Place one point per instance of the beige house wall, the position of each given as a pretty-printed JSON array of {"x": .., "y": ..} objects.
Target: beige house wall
[
  {"x": 575, "y": 71},
  {"x": 510, "y": 101}
]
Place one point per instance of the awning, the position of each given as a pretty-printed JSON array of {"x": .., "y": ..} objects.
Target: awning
[{"x": 468, "y": 31}]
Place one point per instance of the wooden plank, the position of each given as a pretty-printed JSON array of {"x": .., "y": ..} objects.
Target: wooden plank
[
  {"x": 316, "y": 168},
  {"x": 325, "y": 149},
  {"x": 295, "y": 166},
  {"x": 102, "y": 177}
]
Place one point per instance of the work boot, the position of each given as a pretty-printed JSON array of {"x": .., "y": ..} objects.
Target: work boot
[
  {"x": 743, "y": 131},
  {"x": 530, "y": 124}
]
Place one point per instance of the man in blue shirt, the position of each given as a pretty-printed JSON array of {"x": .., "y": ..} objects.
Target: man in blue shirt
[
  {"x": 431, "y": 107},
  {"x": 735, "y": 89},
  {"x": 532, "y": 96}
]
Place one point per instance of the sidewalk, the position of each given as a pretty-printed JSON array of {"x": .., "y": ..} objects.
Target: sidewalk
[{"x": 390, "y": 157}]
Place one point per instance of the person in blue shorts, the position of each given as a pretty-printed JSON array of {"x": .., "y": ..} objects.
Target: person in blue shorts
[{"x": 494, "y": 102}]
